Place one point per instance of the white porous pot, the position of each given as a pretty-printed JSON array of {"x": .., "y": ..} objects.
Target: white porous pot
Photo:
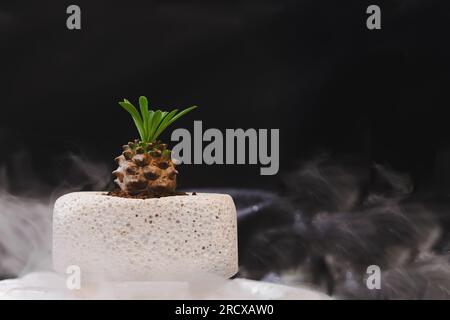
[{"x": 119, "y": 238}]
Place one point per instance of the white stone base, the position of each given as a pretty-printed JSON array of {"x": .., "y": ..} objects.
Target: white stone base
[{"x": 117, "y": 238}]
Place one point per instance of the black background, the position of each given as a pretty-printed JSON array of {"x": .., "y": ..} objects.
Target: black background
[{"x": 310, "y": 68}]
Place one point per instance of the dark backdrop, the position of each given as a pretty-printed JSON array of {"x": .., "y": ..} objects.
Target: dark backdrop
[{"x": 310, "y": 68}]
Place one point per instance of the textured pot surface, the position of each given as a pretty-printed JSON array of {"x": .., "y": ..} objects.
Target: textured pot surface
[{"x": 134, "y": 239}]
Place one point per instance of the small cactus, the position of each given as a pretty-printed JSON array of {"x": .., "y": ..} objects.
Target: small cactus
[{"x": 145, "y": 166}]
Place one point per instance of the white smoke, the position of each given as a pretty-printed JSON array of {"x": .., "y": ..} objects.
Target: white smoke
[
  {"x": 25, "y": 221},
  {"x": 25, "y": 235},
  {"x": 25, "y": 252}
]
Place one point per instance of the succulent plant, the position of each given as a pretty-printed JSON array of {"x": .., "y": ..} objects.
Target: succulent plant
[{"x": 145, "y": 165}]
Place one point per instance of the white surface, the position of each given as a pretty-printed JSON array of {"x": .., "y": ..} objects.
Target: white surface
[
  {"x": 134, "y": 239},
  {"x": 52, "y": 286}
]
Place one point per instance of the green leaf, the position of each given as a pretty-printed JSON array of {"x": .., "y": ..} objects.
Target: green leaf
[
  {"x": 143, "y": 104},
  {"x": 164, "y": 123},
  {"x": 135, "y": 115},
  {"x": 163, "y": 116},
  {"x": 182, "y": 113},
  {"x": 167, "y": 153},
  {"x": 173, "y": 118},
  {"x": 150, "y": 122},
  {"x": 157, "y": 117}
]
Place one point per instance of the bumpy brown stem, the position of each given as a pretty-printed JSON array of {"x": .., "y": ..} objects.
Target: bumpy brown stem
[{"x": 146, "y": 170}]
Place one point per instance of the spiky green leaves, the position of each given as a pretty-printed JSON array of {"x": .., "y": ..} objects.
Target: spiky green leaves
[{"x": 150, "y": 124}]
